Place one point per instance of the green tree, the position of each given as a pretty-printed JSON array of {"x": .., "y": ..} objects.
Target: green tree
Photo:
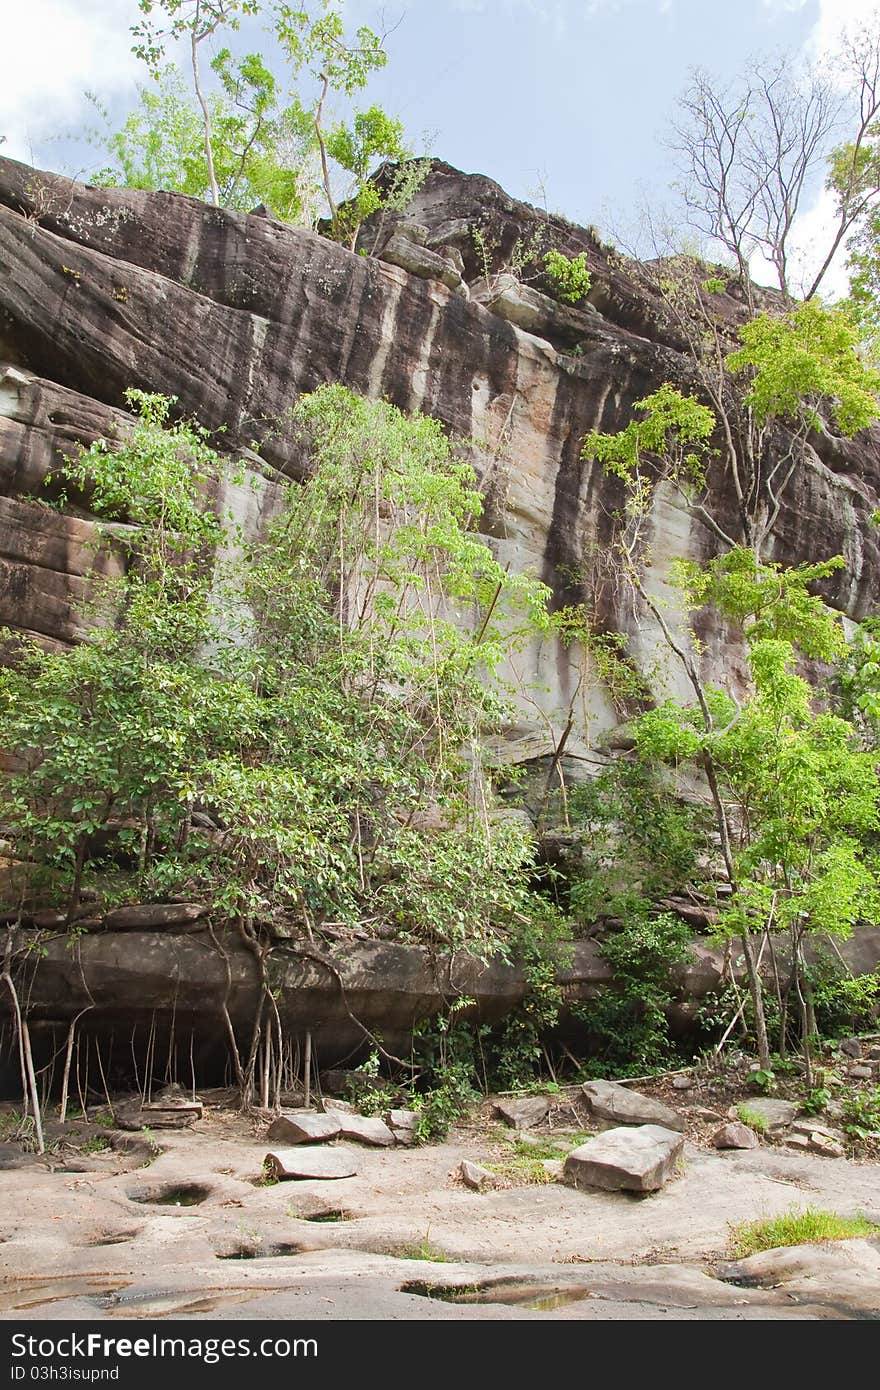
[{"x": 198, "y": 20}]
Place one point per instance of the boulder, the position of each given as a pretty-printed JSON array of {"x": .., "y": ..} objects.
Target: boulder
[
  {"x": 609, "y": 1101},
  {"x": 153, "y": 916},
  {"x": 735, "y": 1135},
  {"x": 365, "y": 1129},
  {"x": 522, "y": 1114},
  {"x": 305, "y": 1127},
  {"x": 418, "y": 260},
  {"x": 475, "y": 1176},
  {"x": 173, "y": 1112},
  {"x": 402, "y": 1124},
  {"x": 310, "y": 1163},
  {"x": 639, "y": 1159},
  {"x": 773, "y": 1115}
]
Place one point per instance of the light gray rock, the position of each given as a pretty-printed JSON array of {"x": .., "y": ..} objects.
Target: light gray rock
[
  {"x": 365, "y": 1129},
  {"x": 810, "y": 1127},
  {"x": 311, "y": 1163},
  {"x": 827, "y": 1148},
  {"x": 418, "y": 260},
  {"x": 305, "y": 1127},
  {"x": 776, "y": 1115},
  {"x": 522, "y": 1114},
  {"x": 330, "y": 1103},
  {"x": 862, "y": 1072},
  {"x": 554, "y": 1167},
  {"x": 682, "y": 1083},
  {"x": 475, "y": 1176},
  {"x": 402, "y": 1124},
  {"x": 851, "y": 1047},
  {"x": 639, "y": 1159},
  {"x": 735, "y": 1135},
  {"x": 609, "y": 1101}
]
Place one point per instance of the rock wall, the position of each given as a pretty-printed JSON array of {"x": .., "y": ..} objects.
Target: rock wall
[{"x": 101, "y": 289}]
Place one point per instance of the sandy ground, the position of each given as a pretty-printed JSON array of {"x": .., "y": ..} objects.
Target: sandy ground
[{"x": 404, "y": 1236}]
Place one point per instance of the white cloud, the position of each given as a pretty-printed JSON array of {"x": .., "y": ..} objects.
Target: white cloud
[{"x": 53, "y": 51}]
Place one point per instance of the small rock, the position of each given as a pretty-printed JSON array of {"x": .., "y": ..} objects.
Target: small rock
[
  {"x": 735, "y": 1135},
  {"x": 682, "y": 1083},
  {"x": 555, "y": 1167},
  {"x": 798, "y": 1141},
  {"x": 522, "y": 1136},
  {"x": 365, "y": 1129},
  {"x": 310, "y": 1163},
  {"x": 874, "y": 1054},
  {"x": 609, "y": 1101},
  {"x": 305, "y": 1127},
  {"x": 828, "y": 1148},
  {"x": 860, "y": 1073},
  {"x": 630, "y": 1159},
  {"x": 522, "y": 1114},
  {"x": 402, "y": 1124},
  {"x": 474, "y": 1176},
  {"x": 851, "y": 1047},
  {"x": 702, "y": 1112},
  {"x": 809, "y": 1127}
]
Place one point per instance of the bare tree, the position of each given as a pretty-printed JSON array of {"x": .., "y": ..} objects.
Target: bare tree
[{"x": 750, "y": 155}]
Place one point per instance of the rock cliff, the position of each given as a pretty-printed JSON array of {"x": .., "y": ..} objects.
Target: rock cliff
[{"x": 103, "y": 289}]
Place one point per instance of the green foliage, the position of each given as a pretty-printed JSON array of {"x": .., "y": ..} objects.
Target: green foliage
[
  {"x": 861, "y": 1114},
  {"x": 768, "y": 600},
  {"x": 568, "y": 275},
  {"x": 628, "y": 1023},
  {"x": 752, "y": 1118},
  {"x": 298, "y": 734},
  {"x": 796, "y": 1228},
  {"x": 639, "y": 841},
  {"x": 843, "y": 1003},
  {"x": 263, "y": 151},
  {"x": 859, "y": 681},
  {"x": 816, "y": 1100},
  {"x": 804, "y": 364},
  {"x": 671, "y": 427}
]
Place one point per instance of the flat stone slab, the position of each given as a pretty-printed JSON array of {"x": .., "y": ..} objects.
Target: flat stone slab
[
  {"x": 365, "y": 1129},
  {"x": 735, "y": 1135},
  {"x": 305, "y": 1127},
  {"x": 522, "y": 1114},
  {"x": 174, "y": 1115},
  {"x": 311, "y": 1163},
  {"x": 609, "y": 1101},
  {"x": 153, "y": 916},
  {"x": 626, "y": 1159},
  {"x": 775, "y": 1114}
]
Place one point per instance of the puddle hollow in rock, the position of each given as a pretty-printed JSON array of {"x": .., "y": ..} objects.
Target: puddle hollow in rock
[
  {"x": 329, "y": 1216},
  {"x": 187, "y": 1194},
  {"x": 260, "y": 1252},
  {"x": 537, "y": 1297}
]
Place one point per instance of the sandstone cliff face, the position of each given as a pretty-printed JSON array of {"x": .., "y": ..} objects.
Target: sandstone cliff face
[
  {"x": 104, "y": 289},
  {"x": 101, "y": 289}
]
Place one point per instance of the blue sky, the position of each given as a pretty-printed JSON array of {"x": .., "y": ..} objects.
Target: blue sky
[{"x": 563, "y": 100}]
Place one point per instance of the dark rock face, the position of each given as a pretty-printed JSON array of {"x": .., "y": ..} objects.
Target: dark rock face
[{"x": 101, "y": 289}]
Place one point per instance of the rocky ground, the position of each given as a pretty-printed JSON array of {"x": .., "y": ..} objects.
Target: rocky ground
[{"x": 187, "y": 1223}]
